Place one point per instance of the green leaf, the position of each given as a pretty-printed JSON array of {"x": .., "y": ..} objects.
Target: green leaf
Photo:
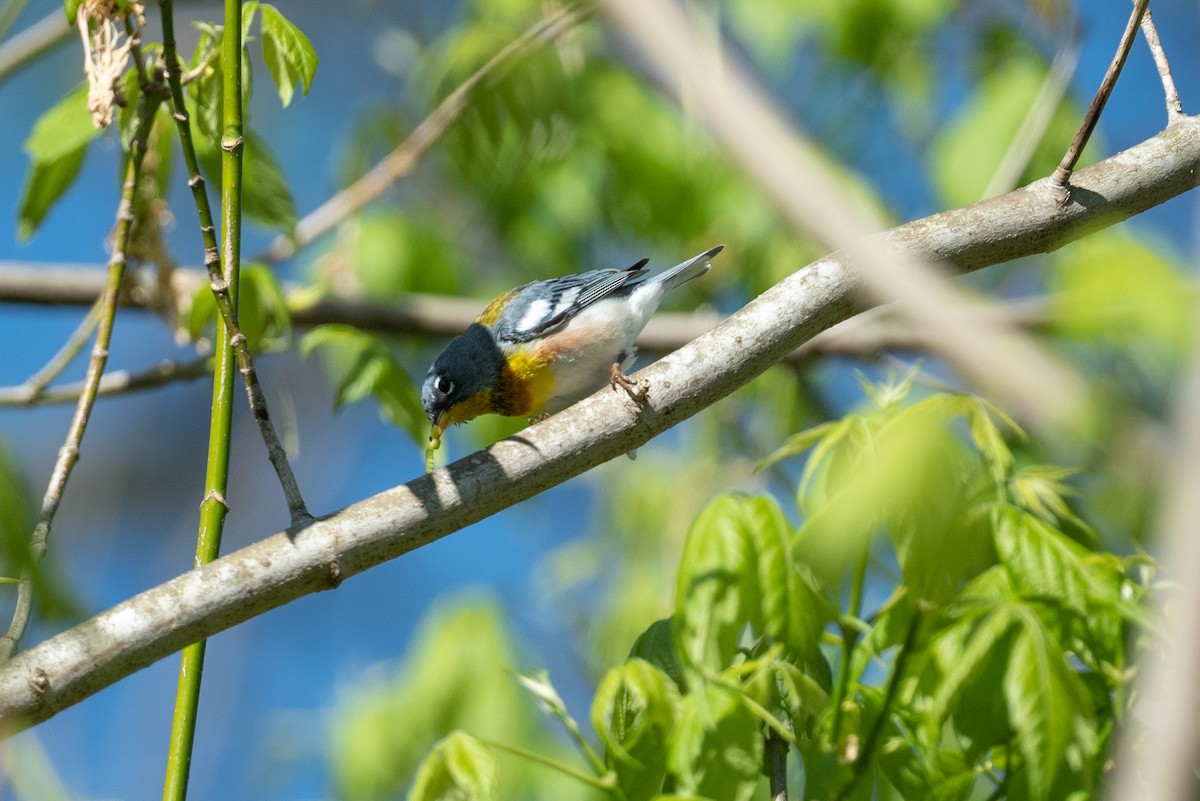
[
  {"x": 363, "y": 366},
  {"x": 63, "y": 129},
  {"x": 968, "y": 150},
  {"x": 289, "y": 55},
  {"x": 717, "y": 750},
  {"x": 44, "y": 185},
  {"x": 52, "y": 596},
  {"x": 249, "y": 9},
  {"x": 1045, "y": 564},
  {"x": 56, "y": 149},
  {"x": 656, "y": 646},
  {"x": 709, "y": 602},
  {"x": 202, "y": 312},
  {"x": 460, "y": 768},
  {"x": 1046, "y": 703},
  {"x": 634, "y": 714},
  {"x": 71, "y": 8},
  {"x": 736, "y": 570},
  {"x": 1100, "y": 298},
  {"x": 781, "y": 606},
  {"x": 204, "y": 94},
  {"x": 797, "y": 444},
  {"x": 266, "y": 196},
  {"x": 971, "y": 656},
  {"x": 262, "y": 308}
]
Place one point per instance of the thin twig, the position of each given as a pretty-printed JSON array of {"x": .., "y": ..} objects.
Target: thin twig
[
  {"x": 118, "y": 382},
  {"x": 1174, "y": 105},
  {"x": 34, "y": 387},
  {"x": 776, "y": 754},
  {"x": 885, "y": 711},
  {"x": 401, "y": 161},
  {"x": 222, "y": 283},
  {"x": 1062, "y": 173},
  {"x": 68, "y": 455},
  {"x": 850, "y": 636}
]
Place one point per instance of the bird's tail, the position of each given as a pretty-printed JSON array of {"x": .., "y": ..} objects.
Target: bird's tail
[{"x": 685, "y": 271}]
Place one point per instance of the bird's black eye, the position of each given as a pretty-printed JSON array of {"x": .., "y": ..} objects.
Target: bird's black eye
[{"x": 443, "y": 385}]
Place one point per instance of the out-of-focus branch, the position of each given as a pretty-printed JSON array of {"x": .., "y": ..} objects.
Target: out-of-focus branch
[
  {"x": 81, "y": 661},
  {"x": 417, "y": 314},
  {"x": 38, "y": 39},
  {"x": 1008, "y": 367},
  {"x": 401, "y": 161},
  {"x": 1157, "y": 749},
  {"x": 1041, "y": 112},
  {"x": 114, "y": 382}
]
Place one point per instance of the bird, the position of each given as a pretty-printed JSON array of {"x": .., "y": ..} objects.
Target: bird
[{"x": 542, "y": 346}]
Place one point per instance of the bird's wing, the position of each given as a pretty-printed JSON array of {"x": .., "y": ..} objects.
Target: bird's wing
[{"x": 536, "y": 309}]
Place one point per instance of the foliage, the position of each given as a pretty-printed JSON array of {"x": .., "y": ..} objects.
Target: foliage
[
  {"x": 60, "y": 139},
  {"x": 995, "y": 662}
]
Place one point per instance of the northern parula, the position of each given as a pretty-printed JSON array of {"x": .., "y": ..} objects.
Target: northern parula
[{"x": 544, "y": 345}]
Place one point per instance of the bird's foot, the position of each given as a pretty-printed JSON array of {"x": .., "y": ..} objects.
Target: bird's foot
[
  {"x": 539, "y": 418},
  {"x": 637, "y": 390}
]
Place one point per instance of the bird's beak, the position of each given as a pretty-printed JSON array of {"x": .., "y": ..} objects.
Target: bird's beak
[{"x": 440, "y": 423}]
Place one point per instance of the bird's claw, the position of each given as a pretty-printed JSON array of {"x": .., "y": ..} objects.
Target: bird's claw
[{"x": 636, "y": 390}]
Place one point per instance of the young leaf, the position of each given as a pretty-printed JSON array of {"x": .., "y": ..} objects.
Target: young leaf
[
  {"x": 44, "y": 186},
  {"x": 709, "y": 602},
  {"x": 63, "y": 129},
  {"x": 267, "y": 197},
  {"x": 656, "y": 646},
  {"x": 1045, "y": 564},
  {"x": 460, "y": 768},
  {"x": 289, "y": 55},
  {"x": 634, "y": 714},
  {"x": 1046, "y": 704},
  {"x": 262, "y": 309},
  {"x": 364, "y": 366},
  {"x": 717, "y": 750},
  {"x": 56, "y": 148}
]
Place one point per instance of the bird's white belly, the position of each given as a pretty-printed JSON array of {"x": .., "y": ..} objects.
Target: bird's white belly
[{"x": 585, "y": 351}]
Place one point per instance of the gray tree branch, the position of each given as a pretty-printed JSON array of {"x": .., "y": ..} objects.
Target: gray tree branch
[{"x": 73, "y": 665}]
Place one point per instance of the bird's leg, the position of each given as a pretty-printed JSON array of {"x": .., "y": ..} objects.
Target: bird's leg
[
  {"x": 539, "y": 418},
  {"x": 637, "y": 390}
]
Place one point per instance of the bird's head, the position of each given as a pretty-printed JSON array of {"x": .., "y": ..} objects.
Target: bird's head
[{"x": 462, "y": 381}]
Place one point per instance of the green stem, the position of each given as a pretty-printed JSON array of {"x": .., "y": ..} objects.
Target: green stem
[
  {"x": 68, "y": 455},
  {"x": 233, "y": 145},
  {"x": 889, "y": 698},
  {"x": 849, "y": 641},
  {"x": 214, "y": 507},
  {"x": 606, "y": 782}
]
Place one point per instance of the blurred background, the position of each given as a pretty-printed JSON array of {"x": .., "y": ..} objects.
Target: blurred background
[{"x": 567, "y": 158}]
